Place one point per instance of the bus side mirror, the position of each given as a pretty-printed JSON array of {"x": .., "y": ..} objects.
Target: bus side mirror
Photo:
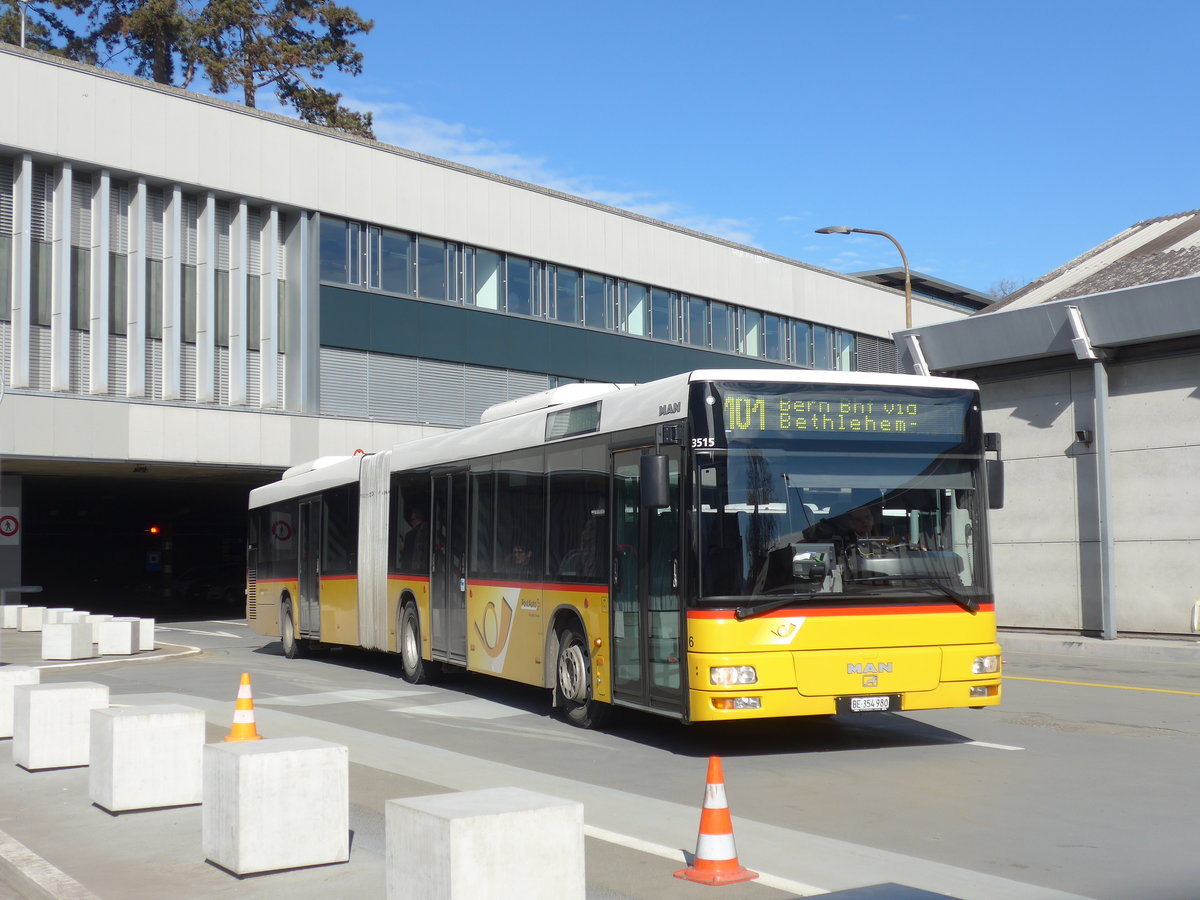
[
  {"x": 995, "y": 483},
  {"x": 655, "y": 481}
]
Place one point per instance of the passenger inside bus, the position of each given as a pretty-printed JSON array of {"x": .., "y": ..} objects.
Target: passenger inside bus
[{"x": 414, "y": 556}]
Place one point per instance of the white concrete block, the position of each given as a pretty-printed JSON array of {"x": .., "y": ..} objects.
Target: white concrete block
[
  {"x": 54, "y": 614},
  {"x": 62, "y": 640},
  {"x": 276, "y": 804},
  {"x": 498, "y": 843},
  {"x": 78, "y": 615},
  {"x": 10, "y": 614},
  {"x": 52, "y": 722},
  {"x": 32, "y": 618},
  {"x": 10, "y": 677},
  {"x": 143, "y": 631},
  {"x": 115, "y": 638},
  {"x": 146, "y": 757},
  {"x": 144, "y": 634},
  {"x": 95, "y": 621}
]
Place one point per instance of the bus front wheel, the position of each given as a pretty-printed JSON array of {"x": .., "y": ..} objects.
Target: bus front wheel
[
  {"x": 292, "y": 648},
  {"x": 574, "y": 682},
  {"x": 416, "y": 670}
]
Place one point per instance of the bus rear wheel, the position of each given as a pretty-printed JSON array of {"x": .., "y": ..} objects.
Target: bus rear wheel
[
  {"x": 416, "y": 670},
  {"x": 573, "y": 682},
  {"x": 293, "y": 648}
]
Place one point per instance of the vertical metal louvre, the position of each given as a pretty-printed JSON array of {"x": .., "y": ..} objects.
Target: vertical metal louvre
[
  {"x": 154, "y": 356},
  {"x": 154, "y": 223},
  {"x": 116, "y": 364},
  {"x": 441, "y": 392},
  {"x": 390, "y": 390},
  {"x": 254, "y": 258},
  {"x": 42, "y": 211},
  {"x": 39, "y": 358},
  {"x": 81, "y": 356},
  {"x": 187, "y": 373},
  {"x": 222, "y": 235},
  {"x": 81, "y": 210},
  {"x": 253, "y": 376},
  {"x": 6, "y": 195},
  {"x": 118, "y": 217},
  {"x": 522, "y": 384},
  {"x": 485, "y": 387},
  {"x": 190, "y": 232},
  {"x": 343, "y": 376}
]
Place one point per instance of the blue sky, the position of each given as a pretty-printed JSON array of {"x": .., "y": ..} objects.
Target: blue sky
[{"x": 996, "y": 141}]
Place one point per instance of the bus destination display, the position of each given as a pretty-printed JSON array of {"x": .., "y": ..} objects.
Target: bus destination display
[{"x": 853, "y": 414}]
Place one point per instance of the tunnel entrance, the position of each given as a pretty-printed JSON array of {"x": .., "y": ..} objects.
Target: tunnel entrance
[{"x": 171, "y": 546}]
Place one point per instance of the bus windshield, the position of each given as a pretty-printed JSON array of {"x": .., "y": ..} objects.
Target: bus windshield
[
  {"x": 822, "y": 490},
  {"x": 775, "y": 523}
]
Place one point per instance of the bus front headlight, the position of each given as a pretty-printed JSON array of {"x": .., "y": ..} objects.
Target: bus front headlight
[
  {"x": 985, "y": 665},
  {"x": 727, "y": 675}
]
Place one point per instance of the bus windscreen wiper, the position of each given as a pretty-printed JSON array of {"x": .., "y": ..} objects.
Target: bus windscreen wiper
[
  {"x": 970, "y": 604},
  {"x": 742, "y": 613}
]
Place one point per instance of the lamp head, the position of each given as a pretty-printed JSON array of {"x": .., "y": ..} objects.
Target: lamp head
[{"x": 835, "y": 229}]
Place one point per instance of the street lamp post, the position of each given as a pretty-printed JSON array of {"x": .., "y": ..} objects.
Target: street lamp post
[{"x": 843, "y": 229}]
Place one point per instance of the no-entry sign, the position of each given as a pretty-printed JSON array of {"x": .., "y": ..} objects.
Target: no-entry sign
[{"x": 10, "y": 526}]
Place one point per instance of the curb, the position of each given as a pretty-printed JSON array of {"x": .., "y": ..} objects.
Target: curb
[
  {"x": 32, "y": 878},
  {"x": 1180, "y": 650}
]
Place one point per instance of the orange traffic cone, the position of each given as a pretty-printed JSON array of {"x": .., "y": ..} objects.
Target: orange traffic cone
[
  {"x": 716, "y": 859},
  {"x": 243, "y": 714}
]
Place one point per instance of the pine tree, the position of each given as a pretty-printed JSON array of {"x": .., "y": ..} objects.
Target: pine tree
[{"x": 284, "y": 45}]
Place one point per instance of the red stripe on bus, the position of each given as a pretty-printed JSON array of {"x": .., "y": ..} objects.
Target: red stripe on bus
[
  {"x": 542, "y": 585},
  {"x": 891, "y": 610}
]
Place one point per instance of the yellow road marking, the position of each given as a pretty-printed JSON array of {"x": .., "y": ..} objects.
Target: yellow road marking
[{"x": 1115, "y": 687}]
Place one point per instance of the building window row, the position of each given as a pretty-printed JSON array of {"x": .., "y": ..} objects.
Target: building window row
[{"x": 427, "y": 268}]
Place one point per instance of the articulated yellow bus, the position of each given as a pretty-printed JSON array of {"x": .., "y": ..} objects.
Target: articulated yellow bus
[{"x": 718, "y": 545}]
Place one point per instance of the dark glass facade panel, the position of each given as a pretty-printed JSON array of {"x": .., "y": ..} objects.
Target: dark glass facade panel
[
  {"x": 520, "y": 286},
  {"x": 434, "y": 277},
  {"x": 697, "y": 321},
  {"x": 335, "y": 250},
  {"x": 221, "y": 307},
  {"x": 392, "y": 263},
  {"x": 188, "y": 311},
  {"x": 568, "y": 287},
  {"x": 662, "y": 316},
  {"x": 595, "y": 301},
  {"x": 721, "y": 326},
  {"x": 81, "y": 288},
  {"x": 118, "y": 290},
  {"x": 822, "y": 347}
]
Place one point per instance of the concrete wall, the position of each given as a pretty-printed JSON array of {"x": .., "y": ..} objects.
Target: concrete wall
[
  {"x": 106, "y": 430},
  {"x": 1046, "y": 539}
]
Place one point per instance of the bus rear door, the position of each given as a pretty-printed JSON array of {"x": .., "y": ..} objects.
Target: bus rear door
[{"x": 448, "y": 575}]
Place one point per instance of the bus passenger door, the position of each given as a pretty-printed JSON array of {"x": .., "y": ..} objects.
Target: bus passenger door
[
  {"x": 645, "y": 594},
  {"x": 308, "y": 605},
  {"x": 448, "y": 576}
]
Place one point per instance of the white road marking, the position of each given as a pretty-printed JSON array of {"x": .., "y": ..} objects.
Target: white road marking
[
  {"x": 327, "y": 698},
  {"x": 992, "y": 746},
  {"x": 675, "y": 855},
  {"x": 225, "y": 634},
  {"x": 463, "y": 709}
]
